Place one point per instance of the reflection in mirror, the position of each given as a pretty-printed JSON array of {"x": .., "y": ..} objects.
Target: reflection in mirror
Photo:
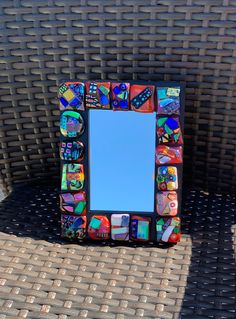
[{"x": 122, "y": 161}]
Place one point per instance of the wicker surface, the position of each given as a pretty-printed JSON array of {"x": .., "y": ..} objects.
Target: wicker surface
[
  {"x": 45, "y": 277},
  {"x": 184, "y": 40}
]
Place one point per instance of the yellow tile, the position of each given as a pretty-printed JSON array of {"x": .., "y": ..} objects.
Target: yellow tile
[{"x": 68, "y": 95}]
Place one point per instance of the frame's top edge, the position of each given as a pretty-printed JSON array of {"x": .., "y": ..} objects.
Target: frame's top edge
[{"x": 156, "y": 83}]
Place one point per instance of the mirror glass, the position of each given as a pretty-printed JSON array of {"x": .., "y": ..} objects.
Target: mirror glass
[{"x": 122, "y": 161}]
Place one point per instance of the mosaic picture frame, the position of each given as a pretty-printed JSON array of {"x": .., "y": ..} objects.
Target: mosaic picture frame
[{"x": 166, "y": 100}]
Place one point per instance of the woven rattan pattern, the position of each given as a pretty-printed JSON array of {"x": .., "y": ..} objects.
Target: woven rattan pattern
[
  {"x": 46, "y": 41},
  {"x": 45, "y": 277}
]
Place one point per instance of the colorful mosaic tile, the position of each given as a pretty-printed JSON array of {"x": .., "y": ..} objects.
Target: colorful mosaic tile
[
  {"x": 167, "y": 178},
  {"x": 167, "y": 203},
  {"x": 99, "y": 227},
  {"x": 73, "y": 227},
  {"x": 168, "y": 100},
  {"x": 71, "y": 124},
  {"x": 140, "y": 228},
  {"x": 98, "y": 95},
  {"x": 120, "y": 96},
  {"x": 169, "y": 131},
  {"x": 71, "y": 96},
  {"x": 168, "y": 229},
  {"x": 72, "y": 177},
  {"x": 120, "y": 226},
  {"x": 73, "y": 203},
  {"x": 142, "y": 98},
  {"x": 71, "y": 151},
  {"x": 168, "y": 154}
]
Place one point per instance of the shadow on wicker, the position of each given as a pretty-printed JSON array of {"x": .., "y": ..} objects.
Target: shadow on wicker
[{"x": 44, "y": 276}]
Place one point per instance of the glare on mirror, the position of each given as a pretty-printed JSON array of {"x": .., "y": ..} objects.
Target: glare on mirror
[{"x": 122, "y": 161}]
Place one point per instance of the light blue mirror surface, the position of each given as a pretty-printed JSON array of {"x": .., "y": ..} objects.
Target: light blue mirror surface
[{"x": 122, "y": 161}]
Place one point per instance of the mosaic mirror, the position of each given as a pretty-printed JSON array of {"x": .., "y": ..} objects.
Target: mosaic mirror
[{"x": 121, "y": 152}]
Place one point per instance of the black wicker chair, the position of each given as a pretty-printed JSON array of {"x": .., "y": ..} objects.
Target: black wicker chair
[{"x": 44, "y": 42}]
